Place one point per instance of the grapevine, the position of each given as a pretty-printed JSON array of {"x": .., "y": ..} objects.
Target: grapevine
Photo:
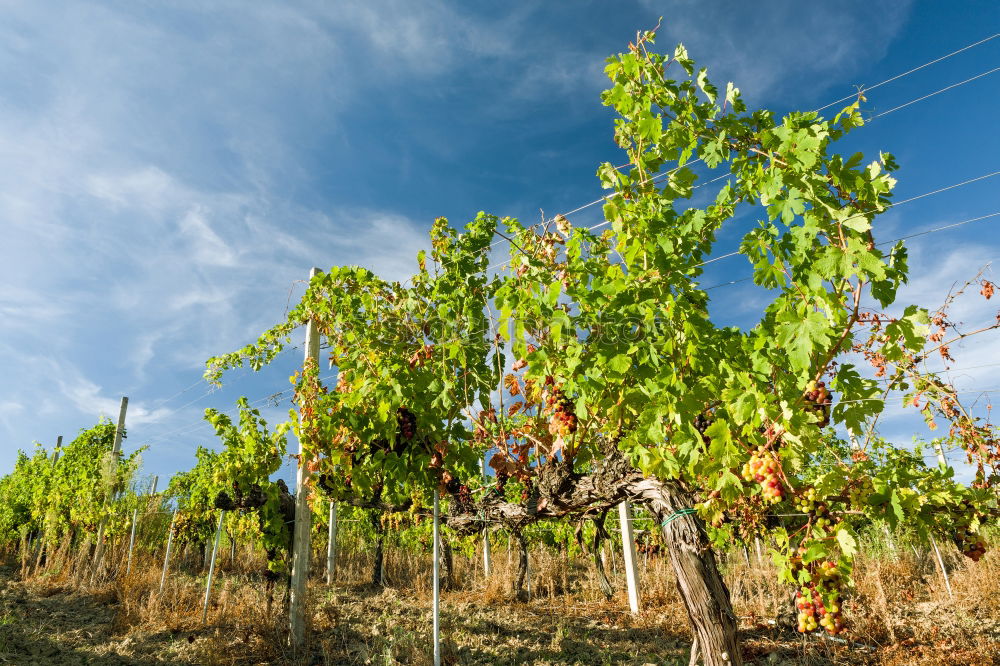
[{"x": 620, "y": 384}]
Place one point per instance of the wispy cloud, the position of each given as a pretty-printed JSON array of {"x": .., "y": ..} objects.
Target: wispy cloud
[
  {"x": 89, "y": 398},
  {"x": 775, "y": 52}
]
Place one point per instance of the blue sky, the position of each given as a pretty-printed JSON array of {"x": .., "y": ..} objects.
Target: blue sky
[{"x": 169, "y": 172}]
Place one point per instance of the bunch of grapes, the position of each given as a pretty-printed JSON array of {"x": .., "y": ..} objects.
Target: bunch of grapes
[
  {"x": 526, "y": 491},
  {"x": 818, "y": 601},
  {"x": 502, "y": 476},
  {"x": 971, "y": 545},
  {"x": 968, "y": 541},
  {"x": 406, "y": 424},
  {"x": 819, "y": 400},
  {"x": 186, "y": 528},
  {"x": 762, "y": 468},
  {"x": 811, "y": 606},
  {"x": 645, "y": 546},
  {"x": 392, "y": 521},
  {"x": 464, "y": 496},
  {"x": 224, "y": 502},
  {"x": 860, "y": 491},
  {"x": 563, "y": 420},
  {"x": 701, "y": 423},
  {"x": 808, "y": 502}
]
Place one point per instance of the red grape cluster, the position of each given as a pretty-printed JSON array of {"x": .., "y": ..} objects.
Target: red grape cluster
[
  {"x": 818, "y": 601},
  {"x": 464, "y": 496},
  {"x": 701, "y": 423},
  {"x": 815, "y": 613},
  {"x": 406, "y": 424},
  {"x": 645, "y": 546},
  {"x": 526, "y": 491},
  {"x": 762, "y": 468},
  {"x": 563, "y": 420},
  {"x": 971, "y": 545},
  {"x": 819, "y": 400},
  {"x": 502, "y": 476}
]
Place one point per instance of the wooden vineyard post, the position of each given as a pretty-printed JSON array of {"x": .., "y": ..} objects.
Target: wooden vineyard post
[
  {"x": 527, "y": 573},
  {"x": 331, "y": 544},
  {"x": 55, "y": 454},
  {"x": 436, "y": 581},
  {"x": 628, "y": 556},
  {"x": 211, "y": 567},
  {"x": 135, "y": 520},
  {"x": 940, "y": 454},
  {"x": 937, "y": 553},
  {"x": 300, "y": 536},
  {"x": 166, "y": 557},
  {"x": 889, "y": 540},
  {"x": 487, "y": 559},
  {"x": 115, "y": 452},
  {"x": 944, "y": 572}
]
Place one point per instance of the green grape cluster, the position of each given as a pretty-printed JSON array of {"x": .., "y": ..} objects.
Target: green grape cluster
[
  {"x": 806, "y": 501},
  {"x": 823, "y": 517},
  {"x": 860, "y": 491},
  {"x": 809, "y": 503},
  {"x": 967, "y": 540}
]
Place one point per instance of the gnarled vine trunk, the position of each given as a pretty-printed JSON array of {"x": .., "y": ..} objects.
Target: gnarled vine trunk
[
  {"x": 705, "y": 595},
  {"x": 447, "y": 566},
  {"x": 563, "y": 492},
  {"x": 378, "y": 566},
  {"x": 600, "y": 534},
  {"x": 522, "y": 566}
]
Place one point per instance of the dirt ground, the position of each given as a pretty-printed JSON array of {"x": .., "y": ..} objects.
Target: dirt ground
[{"x": 47, "y": 623}]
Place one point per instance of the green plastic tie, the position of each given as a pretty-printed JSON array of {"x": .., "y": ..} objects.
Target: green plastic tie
[{"x": 675, "y": 515}]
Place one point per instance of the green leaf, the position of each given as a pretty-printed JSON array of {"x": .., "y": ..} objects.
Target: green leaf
[
  {"x": 858, "y": 223},
  {"x": 848, "y": 545},
  {"x": 620, "y": 363}
]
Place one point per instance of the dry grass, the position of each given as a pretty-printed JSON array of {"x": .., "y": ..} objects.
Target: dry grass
[{"x": 900, "y": 612}]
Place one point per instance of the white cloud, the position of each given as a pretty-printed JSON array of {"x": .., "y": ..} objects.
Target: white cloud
[
  {"x": 8, "y": 410},
  {"x": 88, "y": 398},
  {"x": 207, "y": 248},
  {"x": 424, "y": 37},
  {"x": 778, "y": 50},
  {"x": 148, "y": 187},
  {"x": 26, "y": 307}
]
